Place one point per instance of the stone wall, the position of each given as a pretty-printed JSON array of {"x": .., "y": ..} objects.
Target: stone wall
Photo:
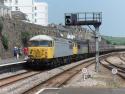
[{"x": 12, "y": 29}]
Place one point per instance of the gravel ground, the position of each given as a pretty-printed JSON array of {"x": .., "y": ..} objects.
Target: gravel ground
[{"x": 103, "y": 79}]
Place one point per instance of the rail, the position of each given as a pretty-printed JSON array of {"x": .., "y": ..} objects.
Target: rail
[{"x": 121, "y": 70}]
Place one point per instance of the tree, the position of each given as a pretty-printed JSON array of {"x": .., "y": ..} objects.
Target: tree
[
  {"x": 1, "y": 28},
  {"x": 4, "y": 42},
  {"x": 25, "y": 37}
]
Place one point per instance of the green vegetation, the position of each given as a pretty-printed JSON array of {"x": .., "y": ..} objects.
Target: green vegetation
[
  {"x": 25, "y": 37},
  {"x": 4, "y": 42},
  {"x": 1, "y": 27},
  {"x": 115, "y": 40}
]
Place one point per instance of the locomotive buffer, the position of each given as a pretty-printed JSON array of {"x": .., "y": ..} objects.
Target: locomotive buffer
[{"x": 87, "y": 18}]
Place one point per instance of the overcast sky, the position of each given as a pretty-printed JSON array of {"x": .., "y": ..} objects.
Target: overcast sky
[{"x": 113, "y": 13}]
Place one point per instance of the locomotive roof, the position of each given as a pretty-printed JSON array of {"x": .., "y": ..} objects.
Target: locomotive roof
[
  {"x": 41, "y": 37},
  {"x": 50, "y": 38}
]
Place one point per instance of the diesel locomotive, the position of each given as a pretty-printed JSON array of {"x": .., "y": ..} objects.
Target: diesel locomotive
[{"x": 51, "y": 51}]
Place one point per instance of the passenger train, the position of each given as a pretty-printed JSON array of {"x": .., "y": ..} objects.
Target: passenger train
[{"x": 51, "y": 51}]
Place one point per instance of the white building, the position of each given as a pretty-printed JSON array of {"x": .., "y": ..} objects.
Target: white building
[
  {"x": 1, "y": 2},
  {"x": 36, "y": 11},
  {"x": 4, "y": 10},
  {"x": 41, "y": 13}
]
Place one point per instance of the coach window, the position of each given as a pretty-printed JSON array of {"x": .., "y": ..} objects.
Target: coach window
[
  {"x": 35, "y": 20},
  {"x": 71, "y": 46},
  {"x": 78, "y": 46},
  {"x": 75, "y": 44},
  {"x": 35, "y": 8},
  {"x": 50, "y": 44}
]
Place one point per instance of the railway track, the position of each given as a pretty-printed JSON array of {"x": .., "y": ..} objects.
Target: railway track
[
  {"x": 59, "y": 79},
  {"x": 122, "y": 57},
  {"x": 15, "y": 78},
  {"x": 110, "y": 66},
  {"x": 114, "y": 65}
]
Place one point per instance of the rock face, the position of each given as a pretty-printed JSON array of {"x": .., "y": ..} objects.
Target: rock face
[{"x": 13, "y": 30}]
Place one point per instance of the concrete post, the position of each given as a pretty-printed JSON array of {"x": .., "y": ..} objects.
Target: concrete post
[{"x": 97, "y": 48}]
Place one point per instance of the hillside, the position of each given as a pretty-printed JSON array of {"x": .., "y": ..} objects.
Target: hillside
[{"x": 115, "y": 40}]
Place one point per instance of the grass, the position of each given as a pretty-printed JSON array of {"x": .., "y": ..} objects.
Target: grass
[{"x": 115, "y": 40}]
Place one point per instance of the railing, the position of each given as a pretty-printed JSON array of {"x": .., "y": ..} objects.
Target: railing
[
  {"x": 89, "y": 16},
  {"x": 85, "y": 18}
]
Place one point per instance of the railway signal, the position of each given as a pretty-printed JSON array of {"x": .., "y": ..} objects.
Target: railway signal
[
  {"x": 68, "y": 20},
  {"x": 71, "y": 19},
  {"x": 87, "y": 18}
]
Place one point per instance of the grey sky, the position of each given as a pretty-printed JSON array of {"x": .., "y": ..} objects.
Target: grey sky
[{"x": 113, "y": 13}]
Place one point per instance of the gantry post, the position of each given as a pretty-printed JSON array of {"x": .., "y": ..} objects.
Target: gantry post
[{"x": 97, "y": 48}]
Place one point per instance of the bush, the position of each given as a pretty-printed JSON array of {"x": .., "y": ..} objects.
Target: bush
[
  {"x": 25, "y": 37},
  {"x": 4, "y": 42},
  {"x": 108, "y": 42}
]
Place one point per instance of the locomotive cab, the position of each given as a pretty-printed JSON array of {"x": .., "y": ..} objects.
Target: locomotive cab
[{"x": 41, "y": 47}]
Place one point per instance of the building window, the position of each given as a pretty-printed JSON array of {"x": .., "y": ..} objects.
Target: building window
[
  {"x": 5, "y": 0},
  {"x": 46, "y": 8},
  {"x": 35, "y": 8},
  {"x": 35, "y": 21},
  {"x": 10, "y": 1},
  {"x": 16, "y": 1},
  {"x": 35, "y": 14},
  {"x": 16, "y": 8}
]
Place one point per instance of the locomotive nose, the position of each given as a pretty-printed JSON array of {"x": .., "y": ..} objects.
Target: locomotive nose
[{"x": 39, "y": 53}]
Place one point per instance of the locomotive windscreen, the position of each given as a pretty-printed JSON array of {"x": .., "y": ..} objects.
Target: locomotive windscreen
[{"x": 43, "y": 43}]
